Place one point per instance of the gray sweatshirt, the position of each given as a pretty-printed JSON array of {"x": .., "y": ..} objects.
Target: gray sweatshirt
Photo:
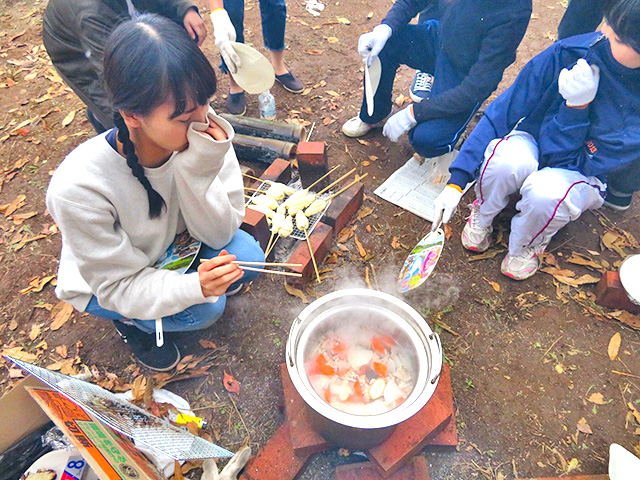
[{"x": 109, "y": 243}]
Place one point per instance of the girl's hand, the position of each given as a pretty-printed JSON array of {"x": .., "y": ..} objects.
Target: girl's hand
[
  {"x": 194, "y": 26},
  {"x": 216, "y": 131},
  {"x": 217, "y": 275}
]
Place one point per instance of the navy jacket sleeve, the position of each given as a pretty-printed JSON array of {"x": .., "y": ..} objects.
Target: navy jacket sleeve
[
  {"x": 517, "y": 102},
  {"x": 403, "y": 11},
  {"x": 497, "y": 52}
]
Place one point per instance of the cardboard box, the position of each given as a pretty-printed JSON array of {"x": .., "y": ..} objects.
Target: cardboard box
[{"x": 31, "y": 404}]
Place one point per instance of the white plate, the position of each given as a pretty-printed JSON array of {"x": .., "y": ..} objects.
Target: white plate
[
  {"x": 56, "y": 461},
  {"x": 255, "y": 74},
  {"x": 630, "y": 277}
]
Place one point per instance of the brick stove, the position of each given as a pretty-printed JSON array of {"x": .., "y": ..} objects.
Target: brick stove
[{"x": 394, "y": 459}]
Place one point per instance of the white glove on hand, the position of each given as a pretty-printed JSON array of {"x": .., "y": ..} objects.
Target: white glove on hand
[
  {"x": 225, "y": 33},
  {"x": 579, "y": 85},
  {"x": 371, "y": 44},
  {"x": 448, "y": 201},
  {"x": 399, "y": 124}
]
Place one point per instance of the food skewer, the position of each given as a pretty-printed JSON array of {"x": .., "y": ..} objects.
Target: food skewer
[
  {"x": 322, "y": 177},
  {"x": 347, "y": 187},
  {"x": 313, "y": 257},
  {"x": 266, "y": 254},
  {"x": 268, "y": 249},
  {"x": 336, "y": 182},
  {"x": 252, "y": 177},
  {"x": 275, "y": 272}
]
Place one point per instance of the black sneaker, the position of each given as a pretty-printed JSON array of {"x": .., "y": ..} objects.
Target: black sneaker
[
  {"x": 143, "y": 346},
  {"x": 290, "y": 83},
  {"x": 618, "y": 202},
  {"x": 421, "y": 86},
  {"x": 236, "y": 103}
]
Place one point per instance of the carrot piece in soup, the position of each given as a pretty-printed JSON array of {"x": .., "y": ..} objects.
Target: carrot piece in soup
[
  {"x": 327, "y": 395},
  {"x": 377, "y": 345},
  {"x": 339, "y": 347},
  {"x": 387, "y": 340},
  {"x": 380, "y": 369},
  {"x": 323, "y": 368},
  {"x": 357, "y": 388}
]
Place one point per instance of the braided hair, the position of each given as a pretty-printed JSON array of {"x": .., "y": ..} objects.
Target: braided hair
[{"x": 148, "y": 61}]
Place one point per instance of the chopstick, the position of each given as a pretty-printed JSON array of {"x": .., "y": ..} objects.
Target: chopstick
[
  {"x": 275, "y": 272},
  {"x": 336, "y": 182},
  {"x": 347, "y": 187},
  {"x": 254, "y": 178},
  {"x": 263, "y": 264}
]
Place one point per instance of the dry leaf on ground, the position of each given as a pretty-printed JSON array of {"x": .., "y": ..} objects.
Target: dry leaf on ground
[
  {"x": 60, "y": 313},
  {"x": 20, "y": 354},
  {"x": 361, "y": 250},
  {"x": 486, "y": 255},
  {"x": 295, "y": 292},
  {"x": 207, "y": 344},
  {"x": 35, "y": 331},
  {"x": 597, "y": 398},
  {"x": 495, "y": 285},
  {"x": 13, "y": 324},
  {"x": 584, "y": 427},
  {"x": 230, "y": 383},
  {"x": 614, "y": 346}
]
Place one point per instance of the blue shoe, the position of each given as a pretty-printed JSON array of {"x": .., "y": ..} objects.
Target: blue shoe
[
  {"x": 290, "y": 82},
  {"x": 421, "y": 86}
]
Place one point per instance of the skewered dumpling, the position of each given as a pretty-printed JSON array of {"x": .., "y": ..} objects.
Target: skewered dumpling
[
  {"x": 285, "y": 188},
  {"x": 286, "y": 227},
  {"x": 266, "y": 201},
  {"x": 277, "y": 221},
  {"x": 282, "y": 209},
  {"x": 301, "y": 203},
  {"x": 302, "y": 222},
  {"x": 262, "y": 209},
  {"x": 317, "y": 206},
  {"x": 275, "y": 192}
]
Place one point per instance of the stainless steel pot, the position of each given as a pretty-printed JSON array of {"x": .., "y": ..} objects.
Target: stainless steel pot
[{"x": 393, "y": 317}]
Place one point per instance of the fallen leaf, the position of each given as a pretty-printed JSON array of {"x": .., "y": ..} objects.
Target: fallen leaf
[
  {"x": 364, "y": 212},
  {"x": 328, "y": 121},
  {"x": 295, "y": 292},
  {"x": 361, "y": 250},
  {"x": 395, "y": 243},
  {"x": 448, "y": 231},
  {"x": 332, "y": 39},
  {"x": 13, "y": 206},
  {"x": 495, "y": 285},
  {"x": 572, "y": 465},
  {"x": 580, "y": 259},
  {"x": 37, "y": 284},
  {"x": 69, "y": 118},
  {"x": 20, "y": 354},
  {"x": 230, "y": 383},
  {"x": 62, "y": 350},
  {"x": 13, "y": 325},
  {"x": 344, "y": 21},
  {"x": 485, "y": 256},
  {"x": 627, "y": 318},
  {"x": 17, "y": 35},
  {"x": 584, "y": 427},
  {"x": 333, "y": 93},
  {"x": 35, "y": 331},
  {"x": 312, "y": 52},
  {"x": 597, "y": 398},
  {"x": 60, "y": 313},
  {"x": 207, "y": 344},
  {"x": 16, "y": 373},
  {"x": 614, "y": 346}
]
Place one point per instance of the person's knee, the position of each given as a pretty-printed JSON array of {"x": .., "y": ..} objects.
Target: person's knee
[
  {"x": 545, "y": 190},
  {"x": 427, "y": 143},
  {"x": 249, "y": 249},
  {"x": 206, "y": 314},
  {"x": 506, "y": 157}
]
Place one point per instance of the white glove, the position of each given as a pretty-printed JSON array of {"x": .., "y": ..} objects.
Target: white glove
[
  {"x": 448, "y": 201},
  {"x": 579, "y": 85},
  {"x": 230, "y": 471},
  {"x": 225, "y": 33},
  {"x": 371, "y": 44},
  {"x": 399, "y": 124}
]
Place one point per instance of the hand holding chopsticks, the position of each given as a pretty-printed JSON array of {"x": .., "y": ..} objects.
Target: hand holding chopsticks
[{"x": 250, "y": 266}]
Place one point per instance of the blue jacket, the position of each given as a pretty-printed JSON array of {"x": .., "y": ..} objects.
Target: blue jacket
[
  {"x": 602, "y": 138},
  {"x": 478, "y": 38}
]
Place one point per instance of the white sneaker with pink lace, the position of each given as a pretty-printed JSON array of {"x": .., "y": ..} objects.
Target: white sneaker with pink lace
[
  {"x": 475, "y": 237},
  {"x": 523, "y": 266}
]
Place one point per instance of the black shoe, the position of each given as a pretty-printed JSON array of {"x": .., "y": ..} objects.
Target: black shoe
[
  {"x": 236, "y": 103},
  {"x": 290, "y": 83},
  {"x": 617, "y": 202},
  {"x": 143, "y": 346}
]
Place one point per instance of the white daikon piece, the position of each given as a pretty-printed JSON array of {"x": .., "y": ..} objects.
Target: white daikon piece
[
  {"x": 359, "y": 357},
  {"x": 392, "y": 393},
  {"x": 319, "y": 383},
  {"x": 376, "y": 408},
  {"x": 377, "y": 389},
  {"x": 302, "y": 222}
]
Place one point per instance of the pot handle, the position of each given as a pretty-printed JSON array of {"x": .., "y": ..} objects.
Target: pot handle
[
  {"x": 291, "y": 343},
  {"x": 436, "y": 338}
]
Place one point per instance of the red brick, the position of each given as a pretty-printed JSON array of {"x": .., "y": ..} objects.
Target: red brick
[
  {"x": 344, "y": 207},
  {"x": 579, "y": 477},
  {"x": 312, "y": 163},
  {"x": 413, "y": 434},
  {"x": 320, "y": 243},
  {"x": 610, "y": 294},
  {"x": 276, "y": 460},
  {"x": 304, "y": 438},
  {"x": 449, "y": 436},
  {"x": 416, "y": 469},
  {"x": 255, "y": 224},
  {"x": 278, "y": 171}
]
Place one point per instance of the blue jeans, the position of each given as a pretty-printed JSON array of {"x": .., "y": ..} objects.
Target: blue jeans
[
  {"x": 419, "y": 47},
  {"x": 274, "y": 17},
  {"x": 203, "y": 315},
  {"x": 582, "y": 16}
]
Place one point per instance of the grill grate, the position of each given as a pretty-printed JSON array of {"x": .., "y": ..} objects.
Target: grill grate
[
  {"x": 128, "y": 419},
  {"x": 313, "y": 219}
]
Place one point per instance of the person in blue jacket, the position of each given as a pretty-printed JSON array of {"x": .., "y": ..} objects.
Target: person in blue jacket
[
  {"x": 467, "y": 50},
  {"x": 571, "y": 118}
]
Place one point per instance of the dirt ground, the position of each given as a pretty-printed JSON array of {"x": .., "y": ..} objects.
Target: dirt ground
[{"x": 526, "y": 357}]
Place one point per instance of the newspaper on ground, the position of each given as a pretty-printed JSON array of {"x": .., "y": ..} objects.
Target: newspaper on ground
[{"x": 416, "y": 184}]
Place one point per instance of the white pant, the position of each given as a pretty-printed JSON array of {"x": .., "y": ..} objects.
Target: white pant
[{"x": 551, "y": 197}]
